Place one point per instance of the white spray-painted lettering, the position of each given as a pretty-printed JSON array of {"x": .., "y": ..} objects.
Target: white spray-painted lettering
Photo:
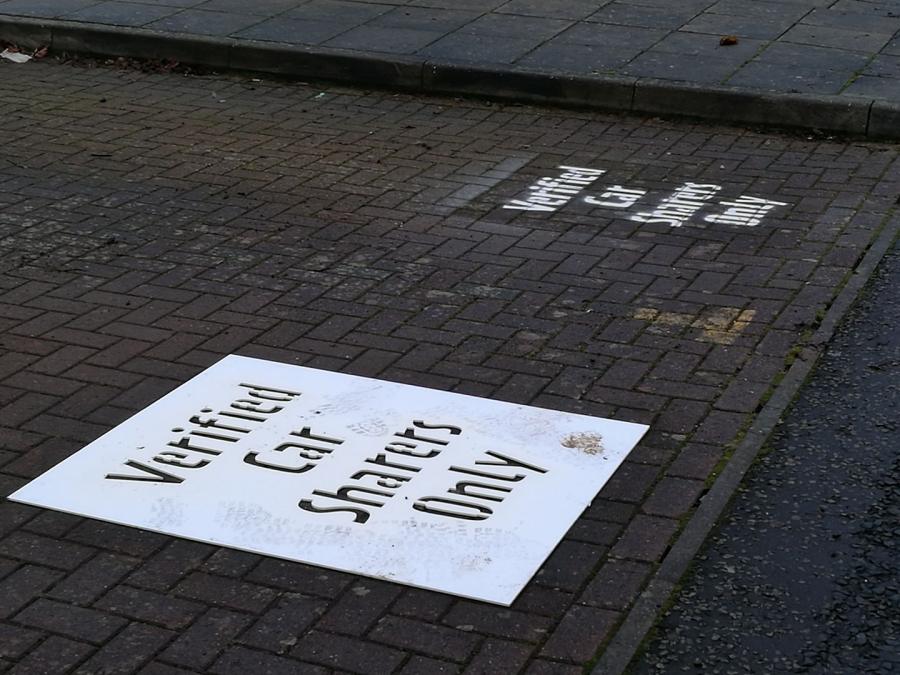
[
  {"x": 548, "y": 194},
  {"x": 676, "y": 209},
  {"x": 617, "y": 197},
  {"x": 746, "y": 211}
]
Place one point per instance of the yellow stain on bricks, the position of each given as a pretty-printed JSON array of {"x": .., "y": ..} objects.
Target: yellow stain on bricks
[{"x": 720, "y": 325}]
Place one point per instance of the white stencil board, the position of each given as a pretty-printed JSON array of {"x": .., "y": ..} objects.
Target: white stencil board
[{"x": 433, "y": 489}]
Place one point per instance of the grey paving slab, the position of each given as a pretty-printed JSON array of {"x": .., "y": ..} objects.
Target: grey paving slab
[
  {"x": 200, "y": 22},
  {"x": 892, "y": 47},
  {"x": 335, "y": 10},
  {"x": 672, "y": 66},
  {"x": 462, "y": 47},
  {"x": 696, "y": 44},
  {"x": 551, "y": 9},
  {"x": 257, "y": 7},
  {"x": 44, "y": 8},
  {"x": 173, "y": 3},
  {"x": 884, "y": 8},
  {"x": 760, "y": 27},
  {"x": 516, "y": 26},
  {"x": 480, "y": 5},
  {"x": 295, "y": 31},
  {"x": 778, "y": 76},
  {"x": 772, "y": 9},
  {"x": 812, "y": 56},
  {"x": 839, "y": 38},
  {"x": 884, "y": 65},
  {"x": 628, "y": 38},
  {"x": 420, "y": 18},
  {"x": 870, "y": 22},
  {"x": 576, "y": 58},
  {"x": 122, "y": 13},
  {"x": 784, "y": 47},
  {"x": 695, "y": 5},
  {"x": 873, "y": 87},
  {"x": 628, "y": 14},
  {"x": 387, "y": 40}
]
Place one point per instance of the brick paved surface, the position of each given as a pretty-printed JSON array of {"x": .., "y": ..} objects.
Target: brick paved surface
[
  {"x": 150, "y": 224},
  {"x": 848, "y": 47}
]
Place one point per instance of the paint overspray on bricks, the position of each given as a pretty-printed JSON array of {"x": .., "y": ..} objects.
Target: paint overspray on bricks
[{"x": 719, "y": 325}]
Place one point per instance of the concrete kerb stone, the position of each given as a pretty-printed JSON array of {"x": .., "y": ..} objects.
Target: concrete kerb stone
[
  {"x": 807, "y": 111},
  {"x": 884, "y": 120},
  {"x": 645, "y": 611},
  {"x": 608, "y": 93},
  {"x": 323, "y": 64},
  {"x": 194, "y": 49},
  {"x": 27, "y": 33},
  {"x": 858, "y": 116}
]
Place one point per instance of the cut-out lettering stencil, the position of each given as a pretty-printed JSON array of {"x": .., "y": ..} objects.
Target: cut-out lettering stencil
[{"x": 433, "y": 489}]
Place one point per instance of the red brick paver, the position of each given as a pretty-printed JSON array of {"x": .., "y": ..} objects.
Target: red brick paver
[{"x": 150, "y": 224}]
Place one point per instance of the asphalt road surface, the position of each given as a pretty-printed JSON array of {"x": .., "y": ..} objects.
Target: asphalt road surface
[{"x": 802, "y": 576}]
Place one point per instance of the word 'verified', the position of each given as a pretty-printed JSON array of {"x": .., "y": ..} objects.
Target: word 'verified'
[{"x": 548, "y": 194}]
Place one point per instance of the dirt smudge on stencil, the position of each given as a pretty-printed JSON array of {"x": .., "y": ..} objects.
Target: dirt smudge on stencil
[
  {"x": 371, "y": 427},
  {"x": 588, "y": 442}
]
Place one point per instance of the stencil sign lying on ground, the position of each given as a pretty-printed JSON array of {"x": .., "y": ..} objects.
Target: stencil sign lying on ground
[
  {"x": 574, "y": 183},
  {"x": 438, "y": 490}
]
